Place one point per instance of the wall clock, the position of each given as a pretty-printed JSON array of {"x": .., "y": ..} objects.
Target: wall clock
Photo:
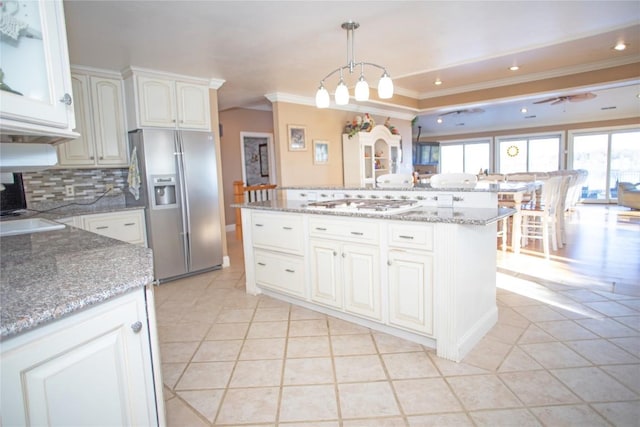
[{"x": 512, "y": 151}]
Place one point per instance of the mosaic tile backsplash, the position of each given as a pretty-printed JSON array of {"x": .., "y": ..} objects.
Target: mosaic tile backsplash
[{"x": 50, "y": 185}]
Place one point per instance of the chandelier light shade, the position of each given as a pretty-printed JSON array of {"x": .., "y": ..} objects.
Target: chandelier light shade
[{"x": 341, "y": 95}]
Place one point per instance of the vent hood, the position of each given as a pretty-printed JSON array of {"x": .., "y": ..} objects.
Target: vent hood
[{"x": 17, "y": 157}]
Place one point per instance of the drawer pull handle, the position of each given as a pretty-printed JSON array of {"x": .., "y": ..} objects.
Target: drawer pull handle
[
  {"x": 259, "y": 225},
  {"x": 357, "y": 233},
  {"x": 406, "y": 237},
  {"x": 104, "y": 227},
  {"x": 324, "y": 195},
  {"x": 287, "y": 228},
  {"x": 288, "y": 270},
  {"x": 262, "y": 264},
  {"x": 129, "y": 224},
  {"x": 321, "y": 229}
]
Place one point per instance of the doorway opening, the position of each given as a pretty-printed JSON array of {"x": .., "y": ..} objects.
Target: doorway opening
[{"x": 258, "y": 165}]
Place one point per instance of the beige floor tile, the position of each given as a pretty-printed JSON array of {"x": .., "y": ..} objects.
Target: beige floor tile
[
  {"x": 593, "y": 385},
  {"x": 583, "y": 295},
  {"x": 628, "y": 375},
  {"x": 509, "y": 316},
  {"x": 608, "y": 328},
  {"x": 179, "y": 414},
  {"x": 602, "y": 352},
  {"x": 240, "y": 301},
  {"x": 271, "y": 314},
  {"x": 569, "y": 416},
  {"x": 171, "y": 373},
  {"x": 630, "y": 321},
  {"x": 449, "y": 368},
  {"x": 494, "y": 395},
  {"x": 505, "y": 333},
  {"x": 537, "y": 388},
  {"x": 308, "y": 403},
  {"x": 228, "y": 331},
  {"x": 205, "y": 402},
  {"x": 376, "y": 422},
  {"x": 235, "y": 315},
  {"x": 566, "y": 330},
  {"x": 174, "y": 352},
  {"x": 268, "y": 329},
  {"x": 359, "y": 368},
  {"x": 425, "y": 396},
  {"x": 269, "y": 302},
  {"x": 342, "y": 327},
  {"x": 256, "y": 373},
  {"x": 554, "y": 355},
  {"x": 308, "y": 328},
  {"x": 182, "y": 332},
  {"x": 620, "y": 413},
  {"x": 301, "y": 313},
  {"x": 440, "y": 420},
  {"x": 631, "y": 344},
  {"x": 539, "y": 313},
  {"x": 535, "y": 334},
  {"x": 315, "y": 370},
  {"x": 348, "y": 345},
  {"x": 218, "y": 351},
  {"x": 409, "y": 365},
  {"x": 205, "y": 375},
  {"x": 612, "y": 308},
  {"x": 518, "y": 360},
  {"x": 366, "y": 400},
  {"x": 505, "y": 417},
  {"x": 389, "y": 344},
  {"x": 249, "y": 405},
  {"x": 263, "y": 348},
  {"x": 310, "y": 424},
  {"x": 201, "y": 314},
  {"x": 488, "y": 354},
  {"x": 308, "y": 347}
]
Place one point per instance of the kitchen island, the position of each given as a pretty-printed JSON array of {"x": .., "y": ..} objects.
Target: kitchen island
[
  {"x": 424, "y": 273},
  {"x": 78, "y": 325}
]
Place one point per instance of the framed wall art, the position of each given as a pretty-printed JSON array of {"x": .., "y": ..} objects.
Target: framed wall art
[
  {"x": 297, "y": 138},
  {"x": 320, "y": 152}
]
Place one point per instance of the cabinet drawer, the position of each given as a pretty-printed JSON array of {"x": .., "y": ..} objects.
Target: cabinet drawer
[
  {"x": 411, "y": 236},
  {"x": 280, "y": 272},
  {"x": 358, "y": 231},
  {"x": 282, "y": 232},
  {"x": 126, "y": 226}
]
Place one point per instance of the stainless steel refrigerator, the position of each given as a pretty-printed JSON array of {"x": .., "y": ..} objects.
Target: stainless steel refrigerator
[{"x": 174, "y": 173}]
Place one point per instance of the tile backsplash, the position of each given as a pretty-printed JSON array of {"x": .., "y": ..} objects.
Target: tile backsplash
[{"x": 50, "y": 185}]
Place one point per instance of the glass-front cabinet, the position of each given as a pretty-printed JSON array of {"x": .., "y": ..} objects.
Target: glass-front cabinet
[
  {"x": 35, "y": 79},
  {"x": 368, "y": 155}
]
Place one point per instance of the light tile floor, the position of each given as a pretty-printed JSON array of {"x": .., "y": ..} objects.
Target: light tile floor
[{"x": 557, "y": 357}]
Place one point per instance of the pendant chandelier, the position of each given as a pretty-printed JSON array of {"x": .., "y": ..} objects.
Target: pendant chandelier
[{"x": 385, "y": 84}]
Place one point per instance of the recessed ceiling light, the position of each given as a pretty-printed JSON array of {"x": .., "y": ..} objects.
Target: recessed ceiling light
[
  {"x": 438, "y": 82},
  {"x": 514, "y": 68},
  {"x": 523, "y": 110},
  {"x": 620, "y": 46},
  {"x": 439, "y": 120}
]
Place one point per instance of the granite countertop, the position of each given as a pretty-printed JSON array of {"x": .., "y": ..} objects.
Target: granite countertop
[
  {"x": 48, "y": 275},
  {"x": 480, "y": 186},
  {"x": 464, "y": 216},
  {"x": 58, "y": 210}
]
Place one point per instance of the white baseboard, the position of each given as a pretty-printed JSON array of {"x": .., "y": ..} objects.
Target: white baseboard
[{"x": 226, "y": 262}]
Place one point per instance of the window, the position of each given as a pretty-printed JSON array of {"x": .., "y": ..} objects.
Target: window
[
  {"x": 529, "y": 154},
  {"x": 469, "y": 156}
]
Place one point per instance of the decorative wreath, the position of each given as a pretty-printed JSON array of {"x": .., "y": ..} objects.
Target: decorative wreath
[{"x": 513, "y": 151}]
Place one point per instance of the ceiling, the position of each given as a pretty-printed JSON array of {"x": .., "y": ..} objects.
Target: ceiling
[{"x": 286, "y": 47}]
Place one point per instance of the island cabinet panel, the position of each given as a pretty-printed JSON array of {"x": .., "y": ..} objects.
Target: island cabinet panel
[
  {"x": 326, "y": 272},
  {"x": 280, "y": 272},
  {"x": 88, "y": 369},
  {"x": 281, "y": 232},
  {"x": 361, "y": 272}
]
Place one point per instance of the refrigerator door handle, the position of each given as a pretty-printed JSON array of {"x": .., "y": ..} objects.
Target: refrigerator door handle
[{"x": 183, "y": 201}]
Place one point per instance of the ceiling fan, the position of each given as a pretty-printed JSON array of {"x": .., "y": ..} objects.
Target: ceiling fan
[
  {"x": 465, "y": 111},
  {"x": 571, "y": 98}
]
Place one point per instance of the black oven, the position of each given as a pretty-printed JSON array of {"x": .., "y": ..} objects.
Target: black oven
[{"x": 12, "y": 198}]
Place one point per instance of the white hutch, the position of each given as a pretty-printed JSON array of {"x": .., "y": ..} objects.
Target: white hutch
[{"x": 367, "y": 155}]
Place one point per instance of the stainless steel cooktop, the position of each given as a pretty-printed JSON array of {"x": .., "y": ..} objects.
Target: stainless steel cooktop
[{"x": 388, "y": 206}]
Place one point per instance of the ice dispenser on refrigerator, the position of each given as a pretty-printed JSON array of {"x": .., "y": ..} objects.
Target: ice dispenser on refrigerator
[{"x": 164, "y": 192}]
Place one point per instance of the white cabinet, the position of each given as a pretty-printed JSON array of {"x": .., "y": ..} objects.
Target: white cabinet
[
  {"x": 278, "y": 244},
  {"x": 367, "y": 155},
  {"x": 345, "y": 265},
  {"x": 94, "y": 367},
  {"x": 128, "y": 226},
  {"x": 410, "y": 275},
  {"x": 36, "y": 67},
  {"x": 162, "y": 101},
  {"x": 100, "y": 121}
]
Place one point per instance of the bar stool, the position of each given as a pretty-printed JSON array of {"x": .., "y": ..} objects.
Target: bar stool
[{"x": 541, "y": 222}]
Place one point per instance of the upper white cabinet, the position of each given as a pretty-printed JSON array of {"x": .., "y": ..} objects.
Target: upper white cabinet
[
  {"x": 367, "y": 155},
  {"x": 100, "y": 121},
  {"x": 34, "y": 60},
  {"x": 167, "y": 101}
]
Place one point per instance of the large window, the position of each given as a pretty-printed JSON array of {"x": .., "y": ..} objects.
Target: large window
[
  {"x": 529, "y": 154},
  {"x": 468, "y": 156},
  {"x": 609, "y": 157}
]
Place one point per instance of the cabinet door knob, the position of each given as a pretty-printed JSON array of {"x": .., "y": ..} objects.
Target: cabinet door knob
[
  {"x": 66, "y": 99},
  {"x": 389, "y": 262},
  {"x": 335, "y": 253},
  {"x": 137, "y": 326}
]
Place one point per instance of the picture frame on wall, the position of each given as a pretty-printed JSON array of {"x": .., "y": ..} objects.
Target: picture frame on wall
[
  {"x": 297, "y": 138},
  {"x": 320, "y": 152}
]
